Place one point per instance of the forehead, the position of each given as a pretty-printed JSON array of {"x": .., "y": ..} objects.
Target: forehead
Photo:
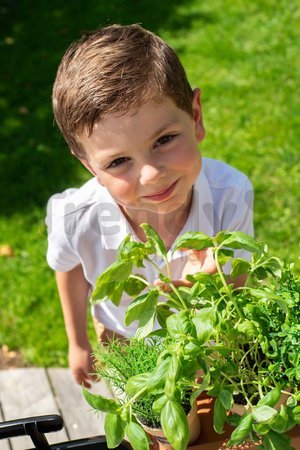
[{"x": 138, "y": 124}]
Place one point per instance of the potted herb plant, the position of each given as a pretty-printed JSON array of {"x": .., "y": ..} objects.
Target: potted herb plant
[{"x": 245, "y": 340}]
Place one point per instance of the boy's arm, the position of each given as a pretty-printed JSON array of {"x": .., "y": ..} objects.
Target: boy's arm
[{"x": 73, "y": 290}]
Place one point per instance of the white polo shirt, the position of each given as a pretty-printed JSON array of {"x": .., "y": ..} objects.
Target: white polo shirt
[{"x": 86, "y": 226}]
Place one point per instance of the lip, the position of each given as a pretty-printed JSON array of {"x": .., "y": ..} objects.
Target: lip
[{"x": 164, "y": 194}]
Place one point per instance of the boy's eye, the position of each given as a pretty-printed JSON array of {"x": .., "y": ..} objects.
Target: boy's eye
[
  {"x": 165, "y": 139},
  {"x": 117, "y": 162}
]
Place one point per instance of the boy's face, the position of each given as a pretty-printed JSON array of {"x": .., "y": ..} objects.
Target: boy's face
[{"x": 148, "y": 160}]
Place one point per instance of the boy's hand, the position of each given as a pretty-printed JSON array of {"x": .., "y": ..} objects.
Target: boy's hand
[
  {"x": 81, "y": 364},
  {"x": 198, "y": 261}
]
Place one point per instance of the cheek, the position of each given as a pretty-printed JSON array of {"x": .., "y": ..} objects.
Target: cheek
[
  {"x": 187, "y": 158},
  {"x": 119, "y": 188}
]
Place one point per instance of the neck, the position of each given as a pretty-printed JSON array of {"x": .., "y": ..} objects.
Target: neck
[{"x": 168, "y": 226}]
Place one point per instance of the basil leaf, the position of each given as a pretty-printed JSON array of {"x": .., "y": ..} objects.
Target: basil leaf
[
  {"x": 114, "y": 428},
  {"x": 226, "y": 398},
  {"x": 180, "y": 324},
  {"x": 116, "y": 272},
  {"x": 242, "y": 430},
  {"x": 204, "y": 324},
  {"x": 276, "y": 441},
  {"x": 219, "y": 416},
  {"x": 140, "y": 305},
  {"x": 136, "y": 383},
  {"x": 154, "y": 240},
  {"x": 239, "y": 267},
  {"x": 101, "y": 403},
  {"x": 238, "y": 240},
  {"x": 175, "y": 425},
  {"x": 137, "y": 436},
  {"x": 193, "y": 240},
  {"x": 272, "y": 397},
  {"x": 263, "y": 413}
]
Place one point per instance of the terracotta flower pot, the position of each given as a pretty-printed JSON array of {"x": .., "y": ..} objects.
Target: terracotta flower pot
[
  {"x": 240, "y": 409},
  {"x": 194, "y": 428}
]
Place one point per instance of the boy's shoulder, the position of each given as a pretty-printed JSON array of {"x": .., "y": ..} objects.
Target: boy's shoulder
[
  {"x": 221, "y": 175},
  {"x": 77, "y": 200}
]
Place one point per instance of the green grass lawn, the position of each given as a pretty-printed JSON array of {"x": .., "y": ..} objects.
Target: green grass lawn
[{"x": 245, "y": 58}]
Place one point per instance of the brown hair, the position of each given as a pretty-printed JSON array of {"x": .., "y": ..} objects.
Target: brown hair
[{"x": 112, "y": 70}]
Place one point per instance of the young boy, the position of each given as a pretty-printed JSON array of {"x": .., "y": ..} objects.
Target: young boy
[{"x": 123, "y": 103}]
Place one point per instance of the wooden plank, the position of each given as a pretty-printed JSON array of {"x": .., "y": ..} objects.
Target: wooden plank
[
  {"x": 79, "y": 419},
  {"x": 25, "y": 393},
  {"x": 4, "y": 443}
]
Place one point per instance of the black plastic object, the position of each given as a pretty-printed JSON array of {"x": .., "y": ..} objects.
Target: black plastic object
[
  {"x": 36, "y": 427},
  {"x": 93, "y": 443}
]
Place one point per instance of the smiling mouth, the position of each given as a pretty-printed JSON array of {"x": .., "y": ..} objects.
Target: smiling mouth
[{"x": 162, "y": 195}]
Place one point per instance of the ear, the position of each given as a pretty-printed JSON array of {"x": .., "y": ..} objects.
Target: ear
[
  {"x": 85, "y": 162},
  {"x": 197, "y": 115}
]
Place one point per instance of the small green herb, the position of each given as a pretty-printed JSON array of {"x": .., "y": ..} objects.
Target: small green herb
[{"x": 245, "y": 340}]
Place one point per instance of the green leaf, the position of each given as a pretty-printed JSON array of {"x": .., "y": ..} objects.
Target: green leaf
[
  {"x": 226, "y": 398},
  {"x": 122, "y": 247},
  {"x": 263, "y": 413},
  {"x": 175, "y": 425},
  {"x": 141, "y": 305},
  {"x": 133, "y": 286},
  {"x": 276, "y": 441},
  {"x": 137, "y": 383},
  {"x": 114, "y": 428},
  {"x": 225, "y": 255},
  {"x": 137, "y": 436},
  {"x": 154, "y": 240},
  {"x": 272, "y": 397},
  {"x": 116, "y": 272},
  {"x": 100, "y": 403},
  {"x": 219, "y": 416},
  {"x": 238, "y": 240},
  {"x": 242, "y": 430},
  {"x": 163, "y": 312},
  {"x": 146, "y": 322},
  {"x": 247, "y": 327},
  {"x": 296, "y": 414},
  {"x": 193, "y": 240},
  {"x": 279, "y": 423},
  {"x": 261, "y": 428},
  {"x": 180, "y": 324},
  {"x": 204, "y": 323},
  {"x": 203, "y": 386},
  {"x": 172, "y": 375},
  {"x": 156, "y": 378},
  {"x": 133, "y": 251},
  {"x": 239, "y": 267},
  {"x": 159, "y": 404},
  {"x": 115, "y": 294}
]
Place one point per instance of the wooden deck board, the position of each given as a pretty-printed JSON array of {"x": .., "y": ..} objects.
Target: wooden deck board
[
  {"x": 26, "y": 392},
  {"x": 79, "y": 420}
]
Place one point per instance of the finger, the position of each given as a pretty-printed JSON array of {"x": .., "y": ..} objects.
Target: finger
[
  {"x": 82, "y": 378},
  {"x": 185, "y": 283},
  {"x": 177, "y": 283}
]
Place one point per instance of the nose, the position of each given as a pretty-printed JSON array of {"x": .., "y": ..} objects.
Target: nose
[{"x": 151, "y": 173}]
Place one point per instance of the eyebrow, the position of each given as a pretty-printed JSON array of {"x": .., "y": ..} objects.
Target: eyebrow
[{"x": 164, "y": 127}]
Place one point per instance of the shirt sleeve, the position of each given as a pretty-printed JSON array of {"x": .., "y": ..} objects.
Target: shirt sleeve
[{"x": 61, "y": 257}]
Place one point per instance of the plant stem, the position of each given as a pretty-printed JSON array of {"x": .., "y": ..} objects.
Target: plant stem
[
  {"x": 136, "y": 277},
  {"x": 137, "y": 395},
  {"x": 221, "y": 274},
  {"x": 170, "y": 283}
]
